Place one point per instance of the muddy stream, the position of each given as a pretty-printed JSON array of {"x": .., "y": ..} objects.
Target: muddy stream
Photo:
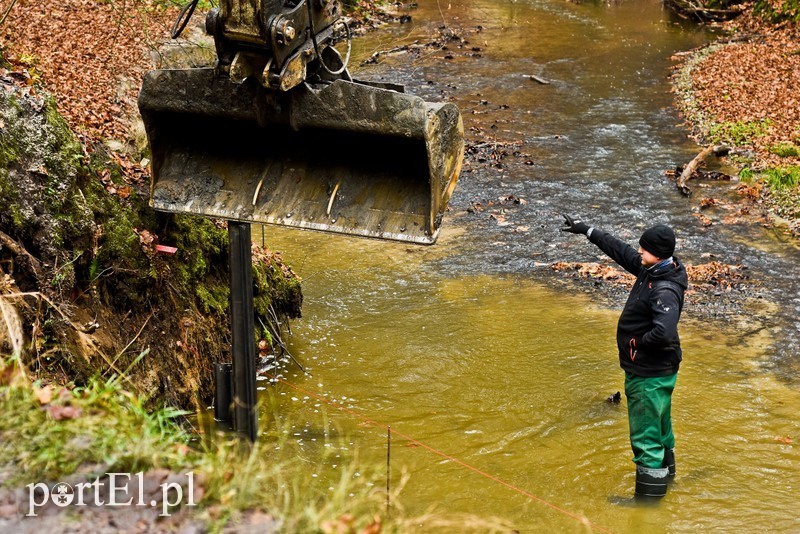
[{"x": 476, "y": 349}]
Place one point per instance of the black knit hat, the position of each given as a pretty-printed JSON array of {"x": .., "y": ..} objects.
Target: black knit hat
[{"x": 658, "y": 241}]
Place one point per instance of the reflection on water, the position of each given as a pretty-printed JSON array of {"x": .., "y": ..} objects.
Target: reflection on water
[{"x": 459, "y": 347}]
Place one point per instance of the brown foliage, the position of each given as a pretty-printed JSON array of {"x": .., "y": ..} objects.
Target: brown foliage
[
  {"x": 752, "y": 80},
  {"x": 596, "y": 271},
  {"x": 712, "y": 276},
  {"x": 89, "y": 54}
]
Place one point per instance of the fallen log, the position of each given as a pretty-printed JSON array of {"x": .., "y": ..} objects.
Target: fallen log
[{"x": 689, "y": 170}]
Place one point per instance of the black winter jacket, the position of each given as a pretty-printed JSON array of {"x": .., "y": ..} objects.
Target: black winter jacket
[{"x": 647, "y": 331}]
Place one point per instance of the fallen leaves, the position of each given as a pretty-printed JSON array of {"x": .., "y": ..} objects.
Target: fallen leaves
[
  {"x": 716, "y": 276},
  {"x": 89, "y": 55},
  {"x": 753, "y": 81},
  {"x": 705, "y": 220},
  {"x": 746, "y": 89},
  {"x": 498, "y": 210},
  {"x": 59, "y": 412},
  {"x": 743, "y": 204},
  {"x": 596, "y": 271},
  {"x": 44, "y": 395},
  {"x": 59, "y": 408},
  {"x": 706, "y": 277},
  {"x": 492, "y": 153},
  {"x": 750, "y": 191},
  {"x": 147, "y": 240}
]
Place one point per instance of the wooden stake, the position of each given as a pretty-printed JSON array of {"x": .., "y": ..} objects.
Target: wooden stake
[{"x": 388, "y": 466}]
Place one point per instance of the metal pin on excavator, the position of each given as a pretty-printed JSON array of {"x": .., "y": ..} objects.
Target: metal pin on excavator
[{"x": 279, "y": 133}]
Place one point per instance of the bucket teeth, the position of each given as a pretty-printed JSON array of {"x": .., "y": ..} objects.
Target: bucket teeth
[{"x": 345, "y": 157}]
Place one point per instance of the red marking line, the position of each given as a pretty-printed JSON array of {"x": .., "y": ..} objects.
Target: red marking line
[{"x": 521, "y": 491}]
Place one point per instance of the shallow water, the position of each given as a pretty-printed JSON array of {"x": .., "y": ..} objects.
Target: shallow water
[
  {"x": 465, "y": 347},
  {"x": 510, "y": 377}
]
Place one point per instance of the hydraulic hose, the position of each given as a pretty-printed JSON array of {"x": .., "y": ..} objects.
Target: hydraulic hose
[
  {"x": 183, "y": 18},
  {"x": 316, "y": 45}
]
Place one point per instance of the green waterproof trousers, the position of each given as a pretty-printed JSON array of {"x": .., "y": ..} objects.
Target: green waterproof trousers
[{"x": 649, "y": 418}]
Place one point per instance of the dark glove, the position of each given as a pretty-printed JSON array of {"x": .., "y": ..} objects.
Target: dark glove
[{"x": 574, "y": 227}]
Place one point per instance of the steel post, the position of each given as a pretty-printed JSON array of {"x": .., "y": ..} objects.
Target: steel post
[
  {"x": 223, "y": 381},
  {"x": 243, "y": 330}
]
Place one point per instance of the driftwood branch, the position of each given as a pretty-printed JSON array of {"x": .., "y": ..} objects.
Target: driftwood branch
[
  {"x": 537, "y": 79},
  {"x": 693, "y": 9},
  {"x": 690, "y": 169}
]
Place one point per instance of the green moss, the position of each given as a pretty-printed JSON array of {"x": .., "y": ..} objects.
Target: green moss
[
  {"x": 276, "y": 287},
  {"x": 8, "y": 156},
  {"x": 121, "y": 240},
  {"x": 8, "y": 153},
  {"x": 8, "y": 198},
  {"x": 738, "y": 133},
  {"x": 201, "y": 269},
  {"x": 785, "y": 150},
  {"x": 212, "y": 297},
  {"x": 64, "y": 154}
]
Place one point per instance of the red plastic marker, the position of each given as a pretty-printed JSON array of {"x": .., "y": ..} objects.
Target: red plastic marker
[{"x": 166, "y": 250}]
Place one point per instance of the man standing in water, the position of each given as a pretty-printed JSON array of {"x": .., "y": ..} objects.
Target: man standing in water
[{"x": 649, "y": 347}]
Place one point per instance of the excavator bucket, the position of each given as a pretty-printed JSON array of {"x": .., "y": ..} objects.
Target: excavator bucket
[{"x": 343, "y": 156}]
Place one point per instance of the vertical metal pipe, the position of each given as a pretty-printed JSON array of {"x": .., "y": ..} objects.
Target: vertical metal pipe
[
  {"x": 222, "y": 394},
  {"x": 242, "y": 330}
]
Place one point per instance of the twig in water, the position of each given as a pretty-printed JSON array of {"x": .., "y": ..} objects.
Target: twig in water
[
  {"x": 439, "y": 5},
  {"x": 277, "y": 337},
  {"x": 388, "y": 467},
  {"x": 538, "y": 79}
]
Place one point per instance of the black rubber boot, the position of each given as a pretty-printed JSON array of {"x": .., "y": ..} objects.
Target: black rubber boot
[
  {"x": 669, "y": 462},
  {"x": 651, "y": 484}
]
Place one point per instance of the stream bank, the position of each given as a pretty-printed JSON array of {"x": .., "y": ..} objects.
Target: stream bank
[
  {"x": 444, "y": 326},
  {"x": 740, "y": 90},
  {"x": 82, "y": 265}
]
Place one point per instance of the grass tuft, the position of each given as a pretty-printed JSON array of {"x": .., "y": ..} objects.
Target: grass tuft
[
  {"x": 739, "y": 133},
  {"x": 783, "y": 177},
  {"x": 50, "y": 434}
]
